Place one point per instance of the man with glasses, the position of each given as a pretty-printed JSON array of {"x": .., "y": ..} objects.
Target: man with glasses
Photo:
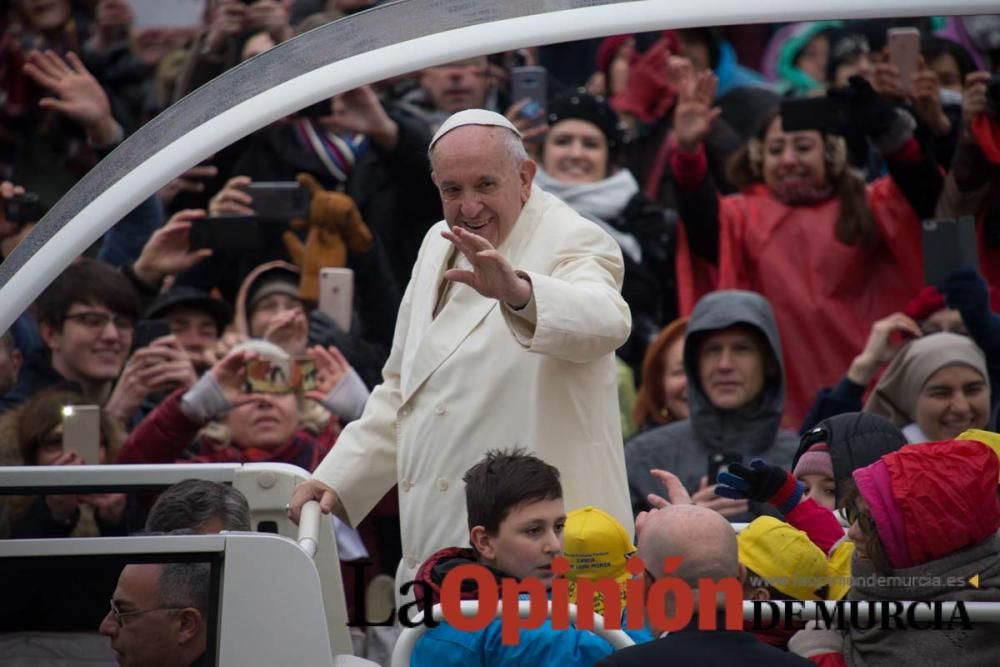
[
  {"x": 86, "y": 319},
  {"x": 159, "y": 615}
]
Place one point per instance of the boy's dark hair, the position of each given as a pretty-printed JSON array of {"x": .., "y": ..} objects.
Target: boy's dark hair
[
  {"x": 503, "y": 480},
  {"x": 89, "y": 282}
]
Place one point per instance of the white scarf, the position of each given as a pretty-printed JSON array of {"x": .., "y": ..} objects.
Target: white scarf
[{"x": 600, "y": 202}]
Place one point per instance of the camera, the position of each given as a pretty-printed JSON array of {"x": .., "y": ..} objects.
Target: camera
[{"x": 23, "y": 208}]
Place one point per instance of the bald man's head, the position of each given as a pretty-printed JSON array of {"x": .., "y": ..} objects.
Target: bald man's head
[{"x": 700, "y": 536}]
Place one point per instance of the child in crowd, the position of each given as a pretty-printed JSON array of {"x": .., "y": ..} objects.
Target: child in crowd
[
  {"x": 516, "y": 520},
  {"x": 924, "y": 521},
  {"x": 597, "y": 548},
  {"x": 782, "y": 564}
]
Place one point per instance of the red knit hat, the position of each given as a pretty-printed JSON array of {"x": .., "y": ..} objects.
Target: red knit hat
[
  {"x": 925, "y": 304},
  {"x": 608, "y": 49}
]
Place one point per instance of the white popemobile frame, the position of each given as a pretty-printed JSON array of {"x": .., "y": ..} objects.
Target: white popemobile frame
[{"x": 297, "y": 588}]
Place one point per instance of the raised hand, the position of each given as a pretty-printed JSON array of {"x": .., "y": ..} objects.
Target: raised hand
[
  {"x": 360, "y": 111},
  {"x": 189, "y": 181},
  {"x": 676, "y": 493},
  {"x": 491, "y": 274},
  {"x": 762, "y": 482},
  {"x": 926, "y": 100},
  {"x": 882, "y": 347},
  {"x": 271, "y": 17},
  {"x": 168, "y": 251},
  {"x": 78, "y": 95},
  {"x": 331, "y": 367},
  {"x": 289, "y": 330},
  {"x": 113, "y": 21},
  {"x": 707, "y": 496},
  {"x": 693, "y": 114},
  {"x": 231, "y": 200},
  {"x": 974, "y": 99},
  {"x": 226, "y": 23}
]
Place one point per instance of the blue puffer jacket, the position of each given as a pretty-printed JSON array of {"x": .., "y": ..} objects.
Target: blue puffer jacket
[{"x": 444, "y": 646}]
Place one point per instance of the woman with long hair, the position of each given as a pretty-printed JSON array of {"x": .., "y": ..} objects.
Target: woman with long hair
[{"x": 831, "y": 254}]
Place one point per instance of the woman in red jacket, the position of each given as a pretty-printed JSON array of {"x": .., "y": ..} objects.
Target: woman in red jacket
[{"x": 831, "y": 254}]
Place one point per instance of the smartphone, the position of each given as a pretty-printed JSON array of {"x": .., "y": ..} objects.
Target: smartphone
[
  {"x": 174, "y": 14},
  {"x": 720, "y": 462},
  {"x": 232, "y": 233},
  {"x": 278, "y": 200},
  {"x": 146, "y": 331},
  {"x": 948, "y": 245},
  {"x": 275, "y": 376},
  {"x": 336, "y": 295},
  {"x": 530, "y": 83},
  {"x": 904, "y": 52},
  {"x": 82, "y": 431},
  {"x": 826, "y": 114},
  {"x": 269, "y": 376}
]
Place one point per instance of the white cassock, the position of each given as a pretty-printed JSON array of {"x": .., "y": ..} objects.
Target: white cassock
[{"x": 480, "y": 376}]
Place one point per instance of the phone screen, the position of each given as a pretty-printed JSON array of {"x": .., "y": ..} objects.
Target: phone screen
[
  {"x": 948, "y": 245},
  {"x": 530, "y": 83},
  {"x": 904, "y": 51},
  {"x": 82, "y": 431},
  {"x": 279, "y": 200}
]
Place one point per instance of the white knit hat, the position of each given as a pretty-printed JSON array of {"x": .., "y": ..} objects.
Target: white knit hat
[{"x": 473, "y": 117}]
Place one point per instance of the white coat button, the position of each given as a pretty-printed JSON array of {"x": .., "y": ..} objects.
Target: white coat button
[
  {"x": 405, "y": 485},
  {"x": 405, "y": 411},
  {"x": 443, "y": 484},
  {"x": 440, "y": 409},
  {"x": 411, "y": 563}
]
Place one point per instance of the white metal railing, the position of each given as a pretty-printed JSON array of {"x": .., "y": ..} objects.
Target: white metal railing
[{"x": 266, "y": 486}]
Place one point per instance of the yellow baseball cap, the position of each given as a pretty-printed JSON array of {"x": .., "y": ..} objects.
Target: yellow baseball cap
[
  {"x": 991, "y": 440},
  {"x": 785, "y": 557},
  {"x": 597, "y": 547}
]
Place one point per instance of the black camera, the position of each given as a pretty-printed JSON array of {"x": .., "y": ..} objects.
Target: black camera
[
  {"x": 993, "y": 96},
  {"x": 23, "y": 208}
]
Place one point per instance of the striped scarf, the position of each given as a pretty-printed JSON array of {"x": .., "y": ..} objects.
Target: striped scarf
[{"x": 338, "y": 153}]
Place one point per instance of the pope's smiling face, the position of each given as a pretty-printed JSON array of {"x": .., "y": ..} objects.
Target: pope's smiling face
[{"x": 483, "y": 187}]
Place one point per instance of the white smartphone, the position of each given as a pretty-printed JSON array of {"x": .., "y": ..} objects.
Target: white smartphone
[
  {"x": 336, "y": 295},
  {"x": 82, "y": 432},
  {"x": 904, "y": 52}
]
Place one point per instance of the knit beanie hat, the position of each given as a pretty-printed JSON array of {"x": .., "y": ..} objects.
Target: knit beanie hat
[
  {"x": 816, "y": 461},
  {"x": 927, "y": 302},
  {"x": 581, "y": 105}
]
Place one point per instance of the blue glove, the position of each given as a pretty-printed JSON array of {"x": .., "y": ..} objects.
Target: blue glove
[
  {"x": 966, "y": 291},
  {"x": 761, "y": 482}
]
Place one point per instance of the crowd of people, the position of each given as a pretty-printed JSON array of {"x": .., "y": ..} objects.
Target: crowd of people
[{"x": 689, "y": 288}]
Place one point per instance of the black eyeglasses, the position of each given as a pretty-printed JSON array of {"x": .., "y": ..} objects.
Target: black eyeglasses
[
  {"x": 96, "y": 321},
  {"x": 119, "y": 615}
]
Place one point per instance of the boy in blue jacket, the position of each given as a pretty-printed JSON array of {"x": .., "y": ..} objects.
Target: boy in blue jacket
[{"x": 516, "y": 518}]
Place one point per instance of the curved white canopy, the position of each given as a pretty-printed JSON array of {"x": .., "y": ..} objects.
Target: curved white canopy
[{"x": 388, "y": 40}]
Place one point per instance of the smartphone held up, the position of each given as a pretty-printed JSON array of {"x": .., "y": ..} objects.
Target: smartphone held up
[
  {"x": 280, "y": 376},
  {"x": 81, "y": 426}
]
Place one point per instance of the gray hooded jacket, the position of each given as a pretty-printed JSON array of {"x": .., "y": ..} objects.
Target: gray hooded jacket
[{"x": 684, "y": 447}]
